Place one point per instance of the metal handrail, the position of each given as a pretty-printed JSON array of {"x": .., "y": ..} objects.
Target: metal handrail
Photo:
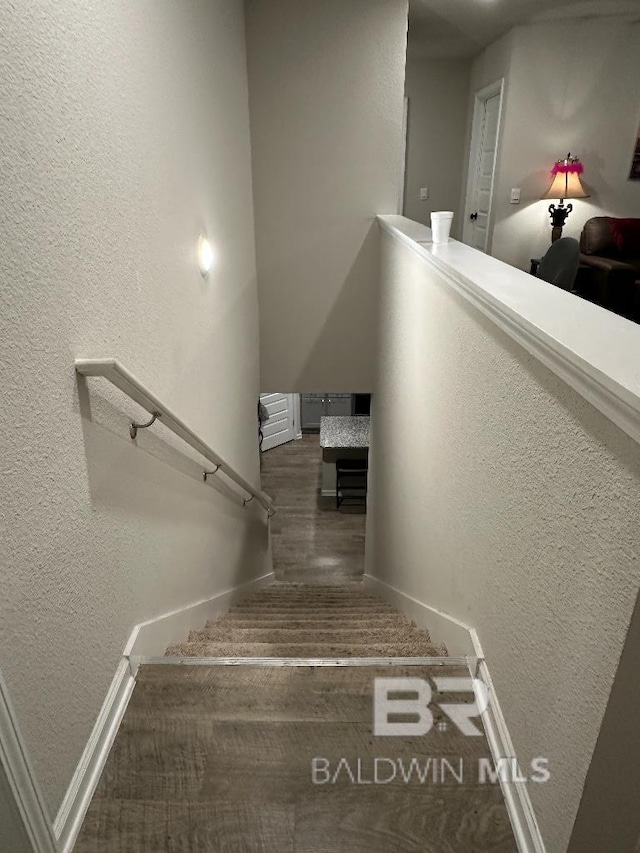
[{"x": 115, "y": 373}]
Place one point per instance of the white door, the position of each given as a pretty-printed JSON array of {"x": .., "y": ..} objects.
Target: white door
[
  {"x": 281, "y": 426},
  {"x": 482, "y": 164}
]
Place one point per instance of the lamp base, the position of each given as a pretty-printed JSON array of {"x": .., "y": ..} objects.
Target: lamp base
[{"x": 558, "y": 218}]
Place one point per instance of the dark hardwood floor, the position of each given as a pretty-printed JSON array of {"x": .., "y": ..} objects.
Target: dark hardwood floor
[
  {"x": 312, "y": 542},
  {"x": 219, "y": 760}
]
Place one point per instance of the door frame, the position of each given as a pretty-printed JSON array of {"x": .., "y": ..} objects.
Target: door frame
[
  {"x": 403, "y": 166},
  {"x": 297, "y": 415},
  {"x": 480, "y": 99}
]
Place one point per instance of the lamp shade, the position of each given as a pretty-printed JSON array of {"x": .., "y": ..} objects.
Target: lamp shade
[{"x": 566, "y": 180}]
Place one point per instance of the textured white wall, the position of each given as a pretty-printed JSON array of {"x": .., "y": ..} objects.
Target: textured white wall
[
  {"x": 501, "y": 497},
  {"x": 568, "y": 90},
  {"x": 326, "y": 84},
  {"x": 125, "y": 133},
  {"x": 608, "y": 817},
  {"x": 438, "y": 93}
]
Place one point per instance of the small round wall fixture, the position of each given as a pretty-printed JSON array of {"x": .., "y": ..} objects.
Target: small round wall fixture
[{"x": 206, "y": 255}]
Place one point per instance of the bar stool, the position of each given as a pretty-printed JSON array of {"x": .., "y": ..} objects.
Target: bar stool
[{"x": 351, "y": 482}]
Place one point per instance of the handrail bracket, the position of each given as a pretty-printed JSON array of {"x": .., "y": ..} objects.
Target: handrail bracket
[
  {"x": 206, "y": 474},
  {"x": 134, "y": 427}
]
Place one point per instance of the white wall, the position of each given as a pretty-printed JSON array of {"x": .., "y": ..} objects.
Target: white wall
[
  {"x": 608, "y": 818},
  {"x": 438, "y": 93},
  {"x": 569, "y": 89},
  {"x": 326, "y": 83},
  {"x": 125, "y": 133},
  {"x": 501, "y": 497}
]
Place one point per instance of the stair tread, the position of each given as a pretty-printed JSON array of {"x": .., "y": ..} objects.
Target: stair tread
[
  {"x": 312, "y": 619},
  {"x": 301, "y": 621},
  {"x": 225, "y": 633},
  {"x": 312, "y": 605},
  {"x": 421, "y": 648}
]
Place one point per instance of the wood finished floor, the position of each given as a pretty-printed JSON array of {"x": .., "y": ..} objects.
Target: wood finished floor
[
  {"x": 218, "y": 759},
  {"x": 312, "y": 542}
]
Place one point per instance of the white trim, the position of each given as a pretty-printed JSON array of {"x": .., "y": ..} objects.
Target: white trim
[
  {"x": 150, "y": 639},
  {"x": 516, "y": 794},
  {"x": 455, "y": 635},
  {"x": 479, "y": 105},
  {"x": 463, "y": 641},
  {"x": 83, "y": 783},
  {"x": 297, "y": 416},
  {"x": 403, "y": 163},
  {"x": 21, "y": 779},
  {"x": 576, "y": 349}
]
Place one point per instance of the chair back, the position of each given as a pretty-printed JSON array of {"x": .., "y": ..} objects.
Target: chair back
[{"x": 560, "y": 265}]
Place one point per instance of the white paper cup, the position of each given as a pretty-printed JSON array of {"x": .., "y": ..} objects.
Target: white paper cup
[{"x": 441, "y": 225}]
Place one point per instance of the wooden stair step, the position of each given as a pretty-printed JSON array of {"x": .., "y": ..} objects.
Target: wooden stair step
[
  {"x": 413, "y": 648},
  {"x": 226, "y": 634},
  {"x": 311, "y": 619}
]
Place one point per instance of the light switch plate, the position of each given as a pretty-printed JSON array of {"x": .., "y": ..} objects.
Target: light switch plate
[
  {"x": 424, "y": 193},
  {"x": 515, "y": 195}
]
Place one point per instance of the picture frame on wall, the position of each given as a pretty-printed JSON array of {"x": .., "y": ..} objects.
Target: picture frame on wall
[{"x": 634, "y": 174}]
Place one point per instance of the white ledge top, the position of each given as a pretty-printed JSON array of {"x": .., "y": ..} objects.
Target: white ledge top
[{"x": 592, "y": 349}]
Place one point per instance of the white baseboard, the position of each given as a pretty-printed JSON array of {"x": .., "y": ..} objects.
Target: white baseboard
[
  {"x": 148, "y": 639},
  {"x": 461, "y": 640},
  {"x": 76, "y": 801},
  {"x": 456, "y": 636},
  {"x": 516, "y": 793}
]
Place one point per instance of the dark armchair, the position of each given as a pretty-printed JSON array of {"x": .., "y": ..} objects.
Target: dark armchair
[
  {"x": 560, "y": 265},
  {"x": 610, "y": 257}
]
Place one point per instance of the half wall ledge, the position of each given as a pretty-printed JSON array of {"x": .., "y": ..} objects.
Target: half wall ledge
[{"x": 593, "y": 350}]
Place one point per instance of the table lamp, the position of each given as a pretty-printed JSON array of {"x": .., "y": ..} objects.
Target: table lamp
[{"x": 565, "y": 184}]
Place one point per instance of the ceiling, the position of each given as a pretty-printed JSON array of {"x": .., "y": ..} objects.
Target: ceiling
[{"x": 448, "y": 29}]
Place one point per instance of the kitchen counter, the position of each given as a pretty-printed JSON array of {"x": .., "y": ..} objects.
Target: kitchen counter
[
  {"x": 341, "y": 437},
  {"x": 344, "y": 432}
]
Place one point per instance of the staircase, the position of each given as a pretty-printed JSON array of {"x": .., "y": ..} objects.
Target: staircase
[
  {"x": 220, "y": 755},
  {"x": 307, "y": 621}
]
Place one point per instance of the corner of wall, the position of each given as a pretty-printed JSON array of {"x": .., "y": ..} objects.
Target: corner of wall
[{"x": 608, "y": 817}]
